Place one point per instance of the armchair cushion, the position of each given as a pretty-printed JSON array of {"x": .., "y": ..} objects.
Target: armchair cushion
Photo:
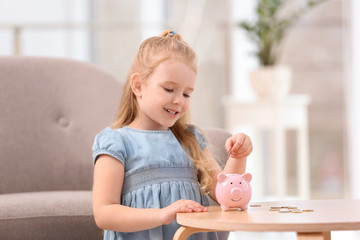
[{"x": 47, "y": 215}]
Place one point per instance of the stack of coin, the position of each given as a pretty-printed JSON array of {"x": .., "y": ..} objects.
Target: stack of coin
[{"x": 288, "y": 209}]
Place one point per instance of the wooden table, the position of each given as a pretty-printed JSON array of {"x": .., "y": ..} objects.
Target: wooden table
[{"x": 328, "y": 215}]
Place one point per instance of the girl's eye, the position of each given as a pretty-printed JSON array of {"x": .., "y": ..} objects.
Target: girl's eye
[
  {"x": 168, "y": 90},
  {"x": 186, "y": 95}
]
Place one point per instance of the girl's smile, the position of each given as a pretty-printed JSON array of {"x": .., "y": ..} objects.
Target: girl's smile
[{"x": 172, "y": 112}]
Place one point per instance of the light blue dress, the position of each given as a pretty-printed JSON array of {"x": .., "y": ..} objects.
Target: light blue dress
[{"x": 158, "y": 172}]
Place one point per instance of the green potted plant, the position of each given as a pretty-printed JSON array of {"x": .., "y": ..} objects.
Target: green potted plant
[{"x": 274, "y": 19}]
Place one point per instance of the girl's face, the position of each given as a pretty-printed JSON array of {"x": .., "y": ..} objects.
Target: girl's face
[{"x": 164, "y": 97}]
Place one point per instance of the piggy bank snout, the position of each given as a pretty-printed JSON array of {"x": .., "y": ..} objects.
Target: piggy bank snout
[{"x": 236, "y": 192}]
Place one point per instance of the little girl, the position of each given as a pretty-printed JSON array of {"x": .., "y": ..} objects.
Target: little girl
[{"x": 151, "y": 164}]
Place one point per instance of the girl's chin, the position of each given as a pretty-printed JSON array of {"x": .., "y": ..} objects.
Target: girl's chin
[
  {"x": 169, "y": 125},
  {"x": 164, "y": 126}
]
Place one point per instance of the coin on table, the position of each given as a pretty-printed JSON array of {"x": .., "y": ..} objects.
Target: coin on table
[
  {"x": 308, "y": 210},
  {"x": 274, "y": 209},
  {"x": 289, "y": 207},
  {"x": 255, "y": 205},
  {"x": 284, "y": 210}
]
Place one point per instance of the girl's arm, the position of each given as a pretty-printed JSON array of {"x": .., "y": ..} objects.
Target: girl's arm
[
  {"x": 111, "y": 215},
  {"x": 240, "y": 146}
]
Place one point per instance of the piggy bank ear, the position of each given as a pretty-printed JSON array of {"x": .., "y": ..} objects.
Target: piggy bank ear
[
  {"x": 221, "y": 177},
  {"x": 247, "y": 176}
]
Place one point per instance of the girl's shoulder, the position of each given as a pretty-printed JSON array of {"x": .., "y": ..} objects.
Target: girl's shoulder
[
  {"x": 199, "y": 134},
  {"x": 111, "y": 133},
  {"x": 194, "y": 129},
  {"x": 108, "y": 131},
  {"x": 111, "y": 142}
]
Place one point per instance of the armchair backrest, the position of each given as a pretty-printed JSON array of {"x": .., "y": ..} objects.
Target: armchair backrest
[{"x": 50, "y": 111}]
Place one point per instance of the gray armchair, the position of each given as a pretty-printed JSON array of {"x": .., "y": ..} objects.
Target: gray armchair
[{"x": 50, "y": 111}]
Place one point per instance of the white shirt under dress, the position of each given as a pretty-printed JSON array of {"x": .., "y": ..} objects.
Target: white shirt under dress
[{"x": 158, "y": 172}]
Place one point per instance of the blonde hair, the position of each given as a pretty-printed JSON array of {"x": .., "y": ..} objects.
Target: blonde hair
[{"x": 152, "y": 52}]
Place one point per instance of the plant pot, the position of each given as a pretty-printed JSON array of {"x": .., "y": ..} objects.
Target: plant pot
[{"x": 271, "y": 82}]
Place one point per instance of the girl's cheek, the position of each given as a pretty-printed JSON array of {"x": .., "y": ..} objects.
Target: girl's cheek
[{"x": 187, "y": 104}]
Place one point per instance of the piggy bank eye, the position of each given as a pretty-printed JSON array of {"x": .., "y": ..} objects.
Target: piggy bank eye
[
  {"x": 230, "y": 182},
  {"x": 240, "y": 182}
]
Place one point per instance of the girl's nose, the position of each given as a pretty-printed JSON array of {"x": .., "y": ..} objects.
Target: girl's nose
[{"x": 178, "y": 99}]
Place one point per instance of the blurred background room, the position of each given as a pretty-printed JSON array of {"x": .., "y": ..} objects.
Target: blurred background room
[{"x": 314, "y": 128}]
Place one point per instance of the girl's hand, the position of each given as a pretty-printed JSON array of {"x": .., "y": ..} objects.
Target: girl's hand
[
  {"x": 181, "y": 206},
  {"x": 240, "y": 146}
]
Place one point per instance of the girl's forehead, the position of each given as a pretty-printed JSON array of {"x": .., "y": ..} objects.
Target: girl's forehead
[
  {"x": 176, "y": 64},
  {"x": 174, "y": 71},
  {"x": 175, "y": 57}
]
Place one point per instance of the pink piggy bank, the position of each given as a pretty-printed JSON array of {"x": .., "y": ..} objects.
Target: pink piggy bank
[{"x": 233, "y": 190}]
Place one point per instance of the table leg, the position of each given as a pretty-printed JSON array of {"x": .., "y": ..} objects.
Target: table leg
[
  {"x": 314, "y": 236},
  {"x": 184, "y": 232}
]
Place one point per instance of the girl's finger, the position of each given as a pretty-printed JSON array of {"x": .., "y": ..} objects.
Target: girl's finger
[
  {"x": 237, "y": 145},
  {"x": 244, "y": 151},
  {"x": 229, "y": 144}
]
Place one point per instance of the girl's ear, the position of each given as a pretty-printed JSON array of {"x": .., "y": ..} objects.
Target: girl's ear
[{"x": 136, "y": 83}]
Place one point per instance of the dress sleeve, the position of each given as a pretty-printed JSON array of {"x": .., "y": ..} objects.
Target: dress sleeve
[
  {"x": 109, "y": 142},
  {"x": 201, "y": 139}
]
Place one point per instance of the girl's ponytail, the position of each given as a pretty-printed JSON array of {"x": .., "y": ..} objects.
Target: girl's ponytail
[{"x": 171, "y": 34}]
